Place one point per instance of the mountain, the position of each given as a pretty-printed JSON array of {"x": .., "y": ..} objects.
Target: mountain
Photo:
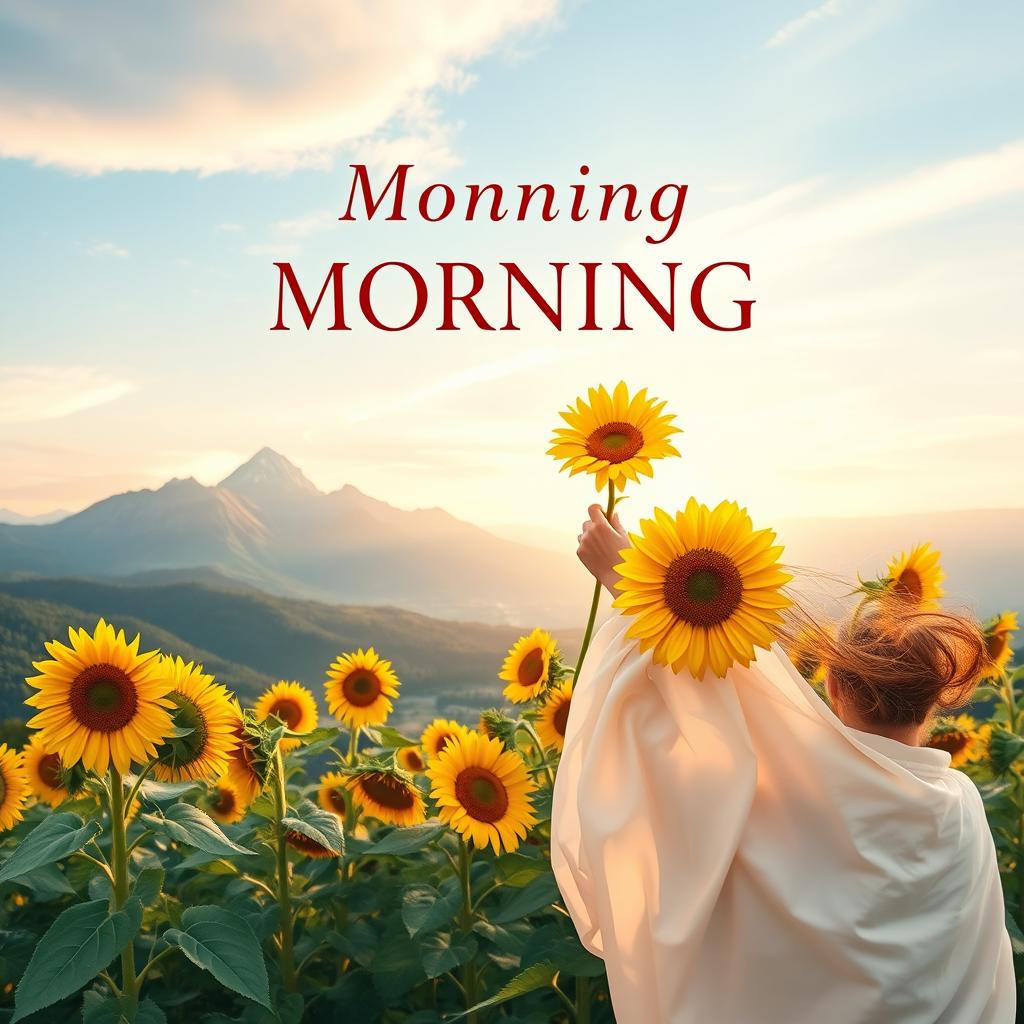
[
  {"x": 267, "y": 526},
  {"x": 17, "y": 519},
  {"x": 249, "y": 639}
]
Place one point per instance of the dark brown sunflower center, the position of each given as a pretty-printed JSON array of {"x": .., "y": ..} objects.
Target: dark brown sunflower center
[
  {"x": 103, "y": 698},
  {"x": 336, "y": 799},
  {"x": 442, "y": 741},
  {"x": 481, "y": 793},
  {"x": 361, "y": 688},
  {"x": 3, "y": 787},
  {"x": 952, "y": 742},
  {"x": 187, "y": 715},
  {"x": 996, "y": 645},
  {"x": 531, "y": 668},
  {"x": 387, "y": 791},
  {"x": 49, "y": 771},
  {"x": 561, "y": 717},
  {"x": 702, "y": 587},
  {"x": 413, "y": 760},
  {"x": 614, "y": 442},
  {"x": 909, "y": 585},
  {"x": 224, "y": 802},
  {"x": 308, "y": 846},
  {"x": 288, "y": 711}
]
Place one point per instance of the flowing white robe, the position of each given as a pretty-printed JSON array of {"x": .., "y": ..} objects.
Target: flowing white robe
[{"x": 737, "y": 855}]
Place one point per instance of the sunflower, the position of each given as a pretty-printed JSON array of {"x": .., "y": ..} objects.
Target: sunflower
[
  {"x": 805, "y": 655},
  {"x": 438, "y": 735},
  {"x": 553, "y": 716},
  {"x": 223, "y": 801},
  {"x": 309, "y": 847},
  {"x": 614, "y": 437},
  {"x": 204, "y": 707},
  {"x": 410, "y": 759},
  {"x": 100, "y": 701},
  {"x": 390, "y": 796},
  {"x": 997, "y": 640},
  {"x": 293, "y": 705},
  {"x": 48, "y": 778},
  {"x": 247, "y": 769},
  {"x": 358, "y": 688},
  {"x": 704, "y": 587},
  {"x": 961, "y": 738},
  {"x": 332, "y": 793},
  {"x": 14, "y": 787},
  {"x": 527, "y": 667},
  {"x": 482, "y": 791},
  {"x": 915, "y": 578}
]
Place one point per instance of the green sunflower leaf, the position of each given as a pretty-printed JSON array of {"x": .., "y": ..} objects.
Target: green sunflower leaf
[
  {"x": 184, "y": 823},
  {"x": 407, "y": 840},
  {"x": 222, "y": 943},
  {"x": 538, "y": 976},
  {"x": 78, "y": 945},
  {"x": 317, "y": 824},
  {"x": 442, "y": 951},
  {"x": 540, "y": 893},
  {"x": 53, "y": 839},
  {"x": 1004, "y": 748}
]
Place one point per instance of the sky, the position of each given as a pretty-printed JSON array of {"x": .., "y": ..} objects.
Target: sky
[{"x": 866, "y": 159}]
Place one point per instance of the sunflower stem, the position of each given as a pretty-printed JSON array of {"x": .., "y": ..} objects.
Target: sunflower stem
[
  {"x": 582, "y": 1001},
  {"x": 542, "y": 760},
  {"x": 137, "y": 785},
  {"x": 119, "y": 858},
  {"x": 597, "y": 596},
  {"x": 569, "y": 1005},
  {"x": 284, "y": 898},
  {"x": 468, "y": 970},
  {"x": 351, "y": 810}
]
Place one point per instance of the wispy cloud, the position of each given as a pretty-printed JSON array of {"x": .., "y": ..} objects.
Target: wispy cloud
[
  {"x": 32, "y": 393},
  {"x": 528, "y": 359},
  {"x": 804, "y": 216},
  {"x": 242, "y": 84},
  {"x": 108, "y": 249},
  {"x": 792, "y": 28}
]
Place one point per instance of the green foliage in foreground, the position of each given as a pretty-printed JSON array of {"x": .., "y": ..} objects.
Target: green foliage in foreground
[{"x": 381, "y": 933}]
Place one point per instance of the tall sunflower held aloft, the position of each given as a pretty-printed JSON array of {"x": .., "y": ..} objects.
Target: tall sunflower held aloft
[
  {"x": 100, "y": 701},
  {"x": 483, "y": 792},
  {"x": 359, "y": 688},
  {"x": 527, "y": 667},
  {"x": 614, "y": 437},
  {"x": 203, "y": 707},
  {"x": 14, "y": 787},
  {"x": 704, "y": 587},
  {"x": 293, "y": 705}
]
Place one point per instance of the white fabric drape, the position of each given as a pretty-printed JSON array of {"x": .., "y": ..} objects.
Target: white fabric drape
[{"x": 739, "y": 856}]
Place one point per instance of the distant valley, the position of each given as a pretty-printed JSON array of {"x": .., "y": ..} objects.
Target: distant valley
[{"x": 250, "y": 639}]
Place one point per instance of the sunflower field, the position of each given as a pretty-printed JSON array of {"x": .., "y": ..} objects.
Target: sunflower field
[{"x": 167, "y": 854}]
